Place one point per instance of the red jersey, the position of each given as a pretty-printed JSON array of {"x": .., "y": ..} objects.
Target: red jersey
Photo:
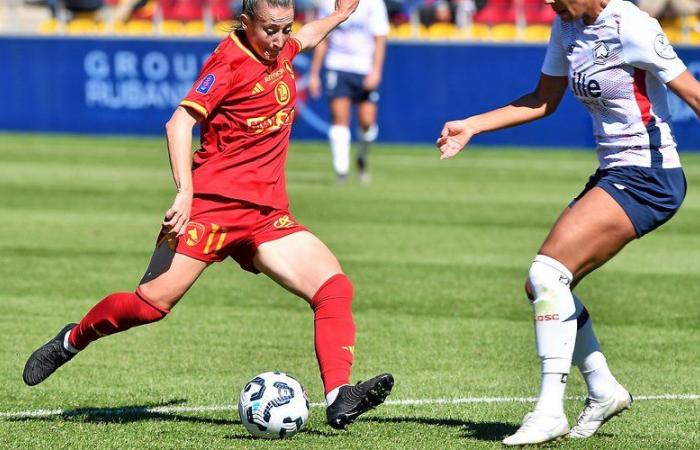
[{"x": 248, "y": 109}]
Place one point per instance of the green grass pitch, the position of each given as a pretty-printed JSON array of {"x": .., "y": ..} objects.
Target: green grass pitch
[{"x": 438, "y": 252}]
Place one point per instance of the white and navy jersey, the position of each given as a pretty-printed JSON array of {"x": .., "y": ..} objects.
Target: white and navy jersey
[
  {"x": 618, "y": 67},
  {"x": 351, "y": 45}
]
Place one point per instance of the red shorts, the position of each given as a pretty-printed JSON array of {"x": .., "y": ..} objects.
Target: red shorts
[{"x": 221, "y": 228}]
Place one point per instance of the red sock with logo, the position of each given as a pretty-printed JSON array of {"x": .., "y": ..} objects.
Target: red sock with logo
[
  {"x": 334, "y": 331},
  {"x": 115, "y": 313}
]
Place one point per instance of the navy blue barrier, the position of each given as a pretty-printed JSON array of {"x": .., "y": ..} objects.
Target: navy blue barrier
[{"x": 120, "y": 86}]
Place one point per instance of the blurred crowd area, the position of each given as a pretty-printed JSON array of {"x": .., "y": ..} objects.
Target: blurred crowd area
[{"x": 478, "y": 20}]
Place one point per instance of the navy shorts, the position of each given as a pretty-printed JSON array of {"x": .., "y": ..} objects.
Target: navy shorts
[
  {"x": 649, "y": 196},
  {"x": 347, "y": 84}
]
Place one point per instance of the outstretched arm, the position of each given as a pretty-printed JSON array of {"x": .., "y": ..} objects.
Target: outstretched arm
[
  {"x": 542, "y": 102},
  {"x": 687, "y": 88},
  {"x": 313, "y": 32},
  {"x": 179, "y": 134}
]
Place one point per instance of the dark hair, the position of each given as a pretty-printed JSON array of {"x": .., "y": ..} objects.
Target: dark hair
[{"x": 250, "y": 7}]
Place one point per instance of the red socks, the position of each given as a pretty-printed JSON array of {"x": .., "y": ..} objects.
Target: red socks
[
  {"x": 116, "y": 312},
  {"x": 334, "y": 331}
]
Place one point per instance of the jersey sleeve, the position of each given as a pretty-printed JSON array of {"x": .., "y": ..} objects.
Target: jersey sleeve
[
  {"x": 645, "y": 46},
  {"x": 212, "y": 85},
  {"x": 379, "y": 20},
  {"x": 555, "y": 62}
]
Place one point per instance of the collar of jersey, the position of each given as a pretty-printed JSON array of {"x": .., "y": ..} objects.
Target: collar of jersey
[{"x": 245, "y": 49}]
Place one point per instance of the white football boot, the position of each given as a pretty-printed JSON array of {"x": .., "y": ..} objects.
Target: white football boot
[
  {"x": 596, "y": 413},
  {"x": 538, "y": 427}
]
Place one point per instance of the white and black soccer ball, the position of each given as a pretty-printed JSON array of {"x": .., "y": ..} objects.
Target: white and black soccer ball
[{"x": 273, "y": 405}]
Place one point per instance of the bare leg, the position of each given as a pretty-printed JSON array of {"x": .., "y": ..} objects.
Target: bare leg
[{"x": 584, "y": 237}]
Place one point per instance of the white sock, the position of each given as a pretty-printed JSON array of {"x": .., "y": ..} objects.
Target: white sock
[
  {"x": 555, "y": 329},
  {"x": 332, "y": 395},
  {"x": 66, "y": 344},
  {"x": 551, "y": 398},
  {"x": 589, "y": 359},
  {"x": 600, "y": 381},
  {"x": 340, "y": 139}
]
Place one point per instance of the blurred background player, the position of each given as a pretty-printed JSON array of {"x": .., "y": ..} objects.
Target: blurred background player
[
  {"x": 618, "y": 63},
  {"x": 232, "y": 202},
  {"x": 353, "y": 56}
]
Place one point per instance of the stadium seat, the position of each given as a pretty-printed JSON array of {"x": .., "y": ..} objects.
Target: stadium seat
[
  {"x": 504, "y": 32},
  {"x": 694, "y": 37},
  {"x": 480, "y": 32},
  {"x": 223, "y": 28},
  {"x": 403, "y": 31},
  {"x": 139, "y": 28},
  {"x": 50, "y": 26},
  {"x": 182, "y": 10},
  {"x": 83, "y": 26},
  {"x": 537, "y": 33},
  {"x": 674, "y": 34},
  {"x": 536, "y": 12},
  {"x": 442, "y": 31},
  {"x": 221, "y": 10},
  {"x": 195, "y": 28},
  {"x": 495, "y": 12},
  {"x": 172, "y": 28}
]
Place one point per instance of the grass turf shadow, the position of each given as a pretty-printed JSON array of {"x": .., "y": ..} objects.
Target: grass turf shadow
[
  {"x": 128, "y": 414},
  {"x": 483, "y": 431}
]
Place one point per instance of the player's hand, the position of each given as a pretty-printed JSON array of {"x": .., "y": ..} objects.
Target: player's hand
[
  {"x": 177, "y": 217},
  {"x": 346, "y": 7},
  {"x": 454, "y": 137},
  {"x": 371, "y": 81},
  {"x": 315, "y": 86}
]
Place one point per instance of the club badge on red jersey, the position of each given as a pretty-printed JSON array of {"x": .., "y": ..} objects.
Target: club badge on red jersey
[{"x": 194, "y": 233}]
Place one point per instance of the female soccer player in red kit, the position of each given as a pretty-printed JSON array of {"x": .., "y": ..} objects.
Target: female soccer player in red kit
[{"x": 231, "y": 201}]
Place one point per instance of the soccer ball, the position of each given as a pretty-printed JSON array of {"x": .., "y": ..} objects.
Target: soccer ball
[{"x": 273, "y": 405}]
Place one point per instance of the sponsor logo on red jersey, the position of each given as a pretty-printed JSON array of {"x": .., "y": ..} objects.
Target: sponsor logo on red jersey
[{"x": 258, "y": 125}]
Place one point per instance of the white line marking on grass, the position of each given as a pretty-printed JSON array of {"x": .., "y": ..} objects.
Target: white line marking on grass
[{"x": 43, "y": 413}]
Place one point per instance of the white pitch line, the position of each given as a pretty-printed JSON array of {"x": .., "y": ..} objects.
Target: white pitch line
[{"x": 43, "y": 413}]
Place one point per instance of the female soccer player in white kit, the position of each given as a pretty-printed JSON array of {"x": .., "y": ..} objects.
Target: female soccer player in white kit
[
  {"x": 353, "y": 55},
  {"x": 618, "y": 63}
]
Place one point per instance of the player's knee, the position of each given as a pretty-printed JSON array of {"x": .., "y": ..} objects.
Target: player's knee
[
  {"x": 163, "y": 301},
  {"x": 338, "y": 289},
  {"x": 547, "y": 274}
]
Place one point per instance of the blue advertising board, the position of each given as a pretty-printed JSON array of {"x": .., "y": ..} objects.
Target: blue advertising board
[{"x": 131, "y": 86}]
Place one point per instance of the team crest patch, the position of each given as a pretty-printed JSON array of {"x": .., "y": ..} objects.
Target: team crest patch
[
  {"x": 601, "y": 53},
  {"x": 194, "y": 234},
  {"x": 282, "y": 93},
  {"x": 283, "y": 222},
  {"x": 206, "y": 84},
  {"x": 663, "y": 48}
]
